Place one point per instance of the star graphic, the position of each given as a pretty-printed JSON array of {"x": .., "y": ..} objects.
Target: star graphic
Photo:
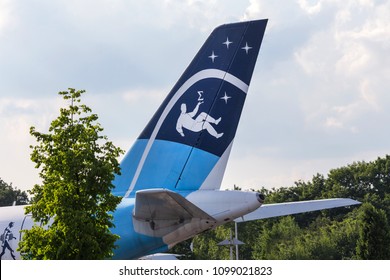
[
  {"x": 226, "y": 97},
  {"x": 246, "y": 48},
  {"x": 213, "y": 56},
  {"x": 227, "y": 42}
]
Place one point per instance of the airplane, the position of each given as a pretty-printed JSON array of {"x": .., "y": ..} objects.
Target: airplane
[{"x": 171, "y": 176}]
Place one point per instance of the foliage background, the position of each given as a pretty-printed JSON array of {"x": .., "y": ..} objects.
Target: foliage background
[{"x": 357, "y": 232}]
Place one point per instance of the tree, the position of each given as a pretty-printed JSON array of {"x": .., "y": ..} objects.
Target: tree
[
  {"x": 74, "y": 201},
  {"x": 281, "y": 241},
  {"x": 205, "y": 245},
  {"x": 9, "y": 195},
  {"x": 374, "y": 234}
]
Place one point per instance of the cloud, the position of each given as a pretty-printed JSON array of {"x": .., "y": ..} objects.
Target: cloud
[
  {"x": 318, "y": 97},
  {"x": 309, "y": 7},
  {"x": 17, "y": 115},
  {"x": 5, "y": 15},
  {"x": 152, "y": 95},
  {"x": 348, "y": 59}
]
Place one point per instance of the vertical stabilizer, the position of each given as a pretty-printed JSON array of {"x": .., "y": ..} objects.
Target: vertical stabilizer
[{"x": 187, "y": 143}]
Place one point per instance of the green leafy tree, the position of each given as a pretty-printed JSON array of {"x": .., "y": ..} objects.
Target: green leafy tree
[
  {"x": 205, "y": 246},
  {"x": 374, "y": 234},
  {"x": 326, "y": 239},
  {"x": 74, "y": 201},
  {"x": 9, "y": 195},
  {"x": 281, "y": 241}
]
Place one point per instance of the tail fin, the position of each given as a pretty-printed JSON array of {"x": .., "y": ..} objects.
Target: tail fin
[{"x": 187, "y": 143}]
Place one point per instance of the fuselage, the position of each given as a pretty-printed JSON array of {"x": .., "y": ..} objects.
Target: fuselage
[{"x": 132, "y": 244}]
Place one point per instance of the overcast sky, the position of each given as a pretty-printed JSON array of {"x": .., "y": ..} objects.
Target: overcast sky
[{"x": 319, "y": 97}]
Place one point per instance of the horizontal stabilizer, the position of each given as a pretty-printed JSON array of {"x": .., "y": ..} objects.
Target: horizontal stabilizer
[
  {"x": 290, "y": 208},
  {"x": 158, "y": 212}
]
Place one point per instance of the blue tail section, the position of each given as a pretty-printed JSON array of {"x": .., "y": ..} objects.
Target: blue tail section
[{"x": 187, "y": 143}]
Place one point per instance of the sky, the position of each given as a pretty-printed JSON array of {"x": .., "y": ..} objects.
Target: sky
[{"x": 319, "y": 97}]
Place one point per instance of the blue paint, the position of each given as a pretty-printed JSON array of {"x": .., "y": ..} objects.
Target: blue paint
[
  {"x": 132, "y": 245},
  {"x": 164, "y": 166},
  {"x": 128, "y": 166}
]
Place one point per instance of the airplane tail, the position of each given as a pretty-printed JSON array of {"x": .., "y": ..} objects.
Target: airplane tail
[{"x": 186, "y": 144}]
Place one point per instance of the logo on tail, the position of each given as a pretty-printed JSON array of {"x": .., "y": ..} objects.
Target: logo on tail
[{"x": 203, "y": 121}]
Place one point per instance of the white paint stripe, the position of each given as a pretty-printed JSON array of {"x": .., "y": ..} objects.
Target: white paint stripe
[
  {"x": 201, "y": 75},
  {"x": 214, "y": 179}
]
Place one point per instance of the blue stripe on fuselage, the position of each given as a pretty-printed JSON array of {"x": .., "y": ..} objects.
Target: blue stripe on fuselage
[
  {"x": 163, "y": 167},
  {"x": 132, "y": 245}
]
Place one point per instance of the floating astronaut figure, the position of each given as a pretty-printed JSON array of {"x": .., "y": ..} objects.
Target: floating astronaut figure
[{"x": 201, "y": 122}]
